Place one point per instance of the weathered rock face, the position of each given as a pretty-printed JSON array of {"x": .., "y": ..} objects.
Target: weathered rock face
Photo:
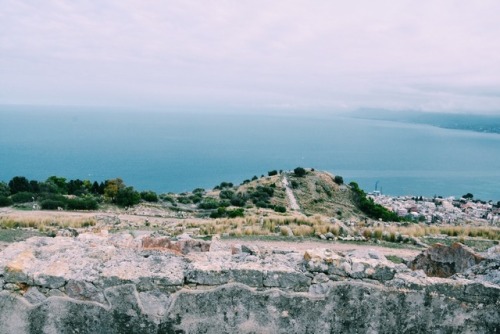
[
  {"x": 121, "y": 284},
  {"x": 443, "y": 261}
]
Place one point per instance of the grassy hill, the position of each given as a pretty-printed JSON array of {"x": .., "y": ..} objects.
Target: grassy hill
[{"x": 317, "y": 193}]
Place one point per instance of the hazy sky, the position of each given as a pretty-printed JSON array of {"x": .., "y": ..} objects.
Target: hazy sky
[{"x": 295, "y": 55}]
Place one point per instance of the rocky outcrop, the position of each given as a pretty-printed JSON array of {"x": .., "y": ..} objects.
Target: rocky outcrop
[
  {"x": 123, "y": 284},
  {"x": 444, "y": 261}
]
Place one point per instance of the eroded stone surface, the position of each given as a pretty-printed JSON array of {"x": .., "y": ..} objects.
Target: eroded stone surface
[
  {"x": 125, "y": 284},
  {"x": 444, "y": 261}
]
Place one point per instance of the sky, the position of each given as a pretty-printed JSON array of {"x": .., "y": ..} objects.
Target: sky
[{"x": 426, "y": 55}]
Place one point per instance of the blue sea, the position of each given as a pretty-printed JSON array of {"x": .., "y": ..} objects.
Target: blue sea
[{"x": 179, "y": 151}]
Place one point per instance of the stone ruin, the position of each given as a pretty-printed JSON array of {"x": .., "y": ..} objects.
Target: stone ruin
[{"x": 125, "y": 284}]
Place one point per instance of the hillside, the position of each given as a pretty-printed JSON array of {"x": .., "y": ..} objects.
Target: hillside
[{"x": 317, "y": 193}]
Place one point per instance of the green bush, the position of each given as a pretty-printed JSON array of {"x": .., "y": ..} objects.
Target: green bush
[
  {"x": 338, "y": 180},
  {"x": 184, "y": 200},
  {"x": 82, "y": 204},
  {"x": 127, "y": 197},
  {"x": 225, "y": 213},
  {"x": 272, "y": 172},
  {"x": 49, "y": 204},
  {"x": 239, "y": 200},
  {"x": 22, "y": 197},
  {"x": 208, "y": 204},
  {"x": 370, "y": 208},
  {"x": 226, "y": 194},
  {"x": 149, "y": 196},
  {"x": 299, "y": 171},
  {"x": 5, "y": 201},
  {"x": 280, "y": 208}
]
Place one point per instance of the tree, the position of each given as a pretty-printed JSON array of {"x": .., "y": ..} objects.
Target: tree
[
  {"x": 272, "y": 172},
  {"x": 299, "y": 171},
  {"x": 127, "y": 197},
  {"x": 4, "y": 189},
  {"x": 76, "y": 187},
  {"x": 19, "y": 183},
  {"x": 60, "y": 182},
  {"x": 468, "y": 196},
  {"x": 339, "y": 180},
  {"x": 112, "y": 187}
]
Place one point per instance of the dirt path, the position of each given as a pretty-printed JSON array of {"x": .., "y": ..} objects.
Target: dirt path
[
  {"x": 291, "y": 197},
  {"x": 335, "y": 246}
]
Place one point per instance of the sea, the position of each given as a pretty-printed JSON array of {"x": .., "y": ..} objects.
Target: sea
[{"x": 177, "y": 151}]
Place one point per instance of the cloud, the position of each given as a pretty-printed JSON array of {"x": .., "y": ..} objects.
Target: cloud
[{"x": 331, "y": 55}]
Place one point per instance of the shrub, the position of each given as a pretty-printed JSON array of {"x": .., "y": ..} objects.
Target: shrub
[
  {"x": 369, "y": 207},
  {"x": 5, "y": 201},
  {"x": 22, "y": 197},
  {"x": 226, "y": 194},
  {"x": 82, "y": 204},
  {"x": 338, "y": 180},
  {"x": 127, "y": 197},
  {"x": 299, "y": 171},
  {"x": 280, "y": 208},
  {"x": 200, "y": 191},
  {"x": 196, "y": 198},
  {"x": 184, "y": 200},
  {"x": 223, "y": 185},
  {"x": 149, "y": 196},
  {"x": 238, "y": 200},
  {"x": 272, "y": 172},
  {"x": 50, "y": 204},
  {"x": 208, "y": 204},
  {"x": 235, "y": 213}
]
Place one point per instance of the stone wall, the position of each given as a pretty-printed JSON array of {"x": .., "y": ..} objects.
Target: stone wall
[{"x": 114, "y": 284}]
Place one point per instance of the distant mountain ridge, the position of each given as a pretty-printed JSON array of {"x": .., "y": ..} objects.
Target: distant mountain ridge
[{"x": 469, "y": 122}]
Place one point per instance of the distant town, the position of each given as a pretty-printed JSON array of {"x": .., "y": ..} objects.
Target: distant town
[{"x": 441, "y": 210}]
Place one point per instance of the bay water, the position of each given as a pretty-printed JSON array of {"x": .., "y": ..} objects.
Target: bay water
[{"x": 179, "y": 151}]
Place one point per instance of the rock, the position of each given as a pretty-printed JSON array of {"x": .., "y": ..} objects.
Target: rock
[
  {"x": 443, "y": 261},
  {"x": 322, "y": 237},
  {"x": 493, "y": 253},
  {"x": 34, "y": 296},
  {"x": 67, "y": 232},
  {"x": 208, "y": 277},
  {"x": 184, "y": 236},
  {"x": 84, "y": 291},
  {"x": 329, "y": 236},
  {"x": 185, "y": 245},
  {"x": 236, "y": 249},
  {"x": 485, "y": 271},
  {"x": 288, "y": 280},
  {"x": 318, "y": 260},
  {"x": 250, "y": 249},
  {"x": 367, "y": 254},
  {"x": 320, "y": 278}
]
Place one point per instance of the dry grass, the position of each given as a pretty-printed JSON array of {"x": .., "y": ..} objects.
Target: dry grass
[
  {"x": 45, "y": 224},
  {"x": 303, "y": 226},
  {"x": 393, "y": 233},
  {"x": 316, "y": 225}
]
